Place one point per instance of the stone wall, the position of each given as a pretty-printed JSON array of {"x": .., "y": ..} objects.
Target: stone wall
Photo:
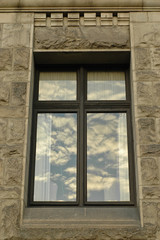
[
  {"x": 16, "y": 47},
  {"x": 15, "y": 57},
  {"x": 145, "y": 45}
]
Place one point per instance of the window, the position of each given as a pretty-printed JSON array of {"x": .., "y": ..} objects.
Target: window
[{"x": 81, "y": 153}]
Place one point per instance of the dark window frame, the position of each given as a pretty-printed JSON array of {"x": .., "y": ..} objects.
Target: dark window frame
[{"x": 81, "y": 106}]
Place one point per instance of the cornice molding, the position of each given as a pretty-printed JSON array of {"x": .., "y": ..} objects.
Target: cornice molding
[{"x": 79, "y": 5}]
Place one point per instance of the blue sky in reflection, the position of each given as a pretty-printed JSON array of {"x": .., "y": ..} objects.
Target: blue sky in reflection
[
  {"x": 57, "y": 86},
  {"x": 56, "y": 153},
  {"x": 106, "y": 86},
  {"x": 107, "y": 157}
]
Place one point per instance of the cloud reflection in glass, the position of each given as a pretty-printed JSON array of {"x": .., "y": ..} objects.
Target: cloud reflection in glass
[
  {"x": 57, "y": 86},
  {"x": 56, "y": 157},
  {"x": 106, "y": 86},
  {"x": 107, "y": 157}
]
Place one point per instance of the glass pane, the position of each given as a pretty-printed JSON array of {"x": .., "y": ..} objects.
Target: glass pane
[
  {"x": 56, "y": 153},
  {"x": 57, "y": 86},
  {"x": 107, "y": 157},
  {"x": 106, "y": 86}
]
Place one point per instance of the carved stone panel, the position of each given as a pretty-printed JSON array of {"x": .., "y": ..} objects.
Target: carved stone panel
[{"x": 82, "y": 37}]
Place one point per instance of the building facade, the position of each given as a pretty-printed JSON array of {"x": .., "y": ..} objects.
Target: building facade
[{"x": 105, "y": 56}]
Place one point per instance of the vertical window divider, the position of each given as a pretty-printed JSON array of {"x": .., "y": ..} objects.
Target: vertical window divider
[
  {"x": 85, "y": 136},
  {"x": 81, "y": 134}
]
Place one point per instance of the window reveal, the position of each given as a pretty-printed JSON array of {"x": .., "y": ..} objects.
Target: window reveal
[{"x": 80, "y": 155}]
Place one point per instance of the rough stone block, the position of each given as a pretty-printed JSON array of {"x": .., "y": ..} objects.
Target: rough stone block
[
  {"x": 12, "y": 112},
  {"x": 15, "y": 131},
  {"x": 1, "y": 227},
  {"x": 158, "y": 129},
  {"x": 13, "y": 177},
  {"x": 16, "y": 35},
  {"x": 158, "y": 234},
  {"x": 5, "y": 59},
  {"x": 155, "y": 58},
  {"x": 152, "y": 150},
  {"x": 10, "y": 192},
  {"x": 0, "y": 35},
  {"x": 138, "y": 17},
  {"x": 3, "y": 130},
  {"x": 12, "y": 165},
  {"x": 147, "y": 130},
  {"x": 14, "y": 76},
  {"x": 146, "y": 34},
  {"x": 148, "y": 111},
  {"x": 18, "y": 93},
  {"x": 158, "y": 221},
  {"x": 82, "y": 37},
  {"x": 21, "y": 59},
  {"x": 142, "y": 58},
  {"x": 4, "y": 93},
  {"x": 144, "y": 93},
  {"x": 147, "y": 75},
  {"x": 151, "y": 192},
  {"x": 10, "y": 218},
  {"x": 150, "y": 171},
  {"x": 1, "y": 172},
  {"x": 156, "y": 93},
  {"x": 150, "y": 213},
  {"x": 11, "y": 152}
]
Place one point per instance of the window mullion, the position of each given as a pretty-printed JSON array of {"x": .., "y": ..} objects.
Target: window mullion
[{"x": 81, "y": 135}]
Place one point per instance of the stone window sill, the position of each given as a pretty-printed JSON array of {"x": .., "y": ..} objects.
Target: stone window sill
[{"x": 59, "y": 217}]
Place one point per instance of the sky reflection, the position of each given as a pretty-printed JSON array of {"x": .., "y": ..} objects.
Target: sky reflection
[
  {"x": 56, "y": 157},
  {"x": 106, "y": 86},
  {"x": 57, "y": 86},
  {"x": 107, "y": 157}
]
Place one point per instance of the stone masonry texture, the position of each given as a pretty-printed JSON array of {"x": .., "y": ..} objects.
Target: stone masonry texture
[
  {"x": 18, "y": 38},
  {"x": 81, "y": 38}
]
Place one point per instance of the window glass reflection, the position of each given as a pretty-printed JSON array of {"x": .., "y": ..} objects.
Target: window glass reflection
[
  {"x": 107, "y": 157},
  {"x": 106, "y": 86},
  {"x": 56, "y": 153},
  {"x": 57, "y": 86}
]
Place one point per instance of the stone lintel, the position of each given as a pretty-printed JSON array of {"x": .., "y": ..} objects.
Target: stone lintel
[{"x": 82, "y": 37}]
